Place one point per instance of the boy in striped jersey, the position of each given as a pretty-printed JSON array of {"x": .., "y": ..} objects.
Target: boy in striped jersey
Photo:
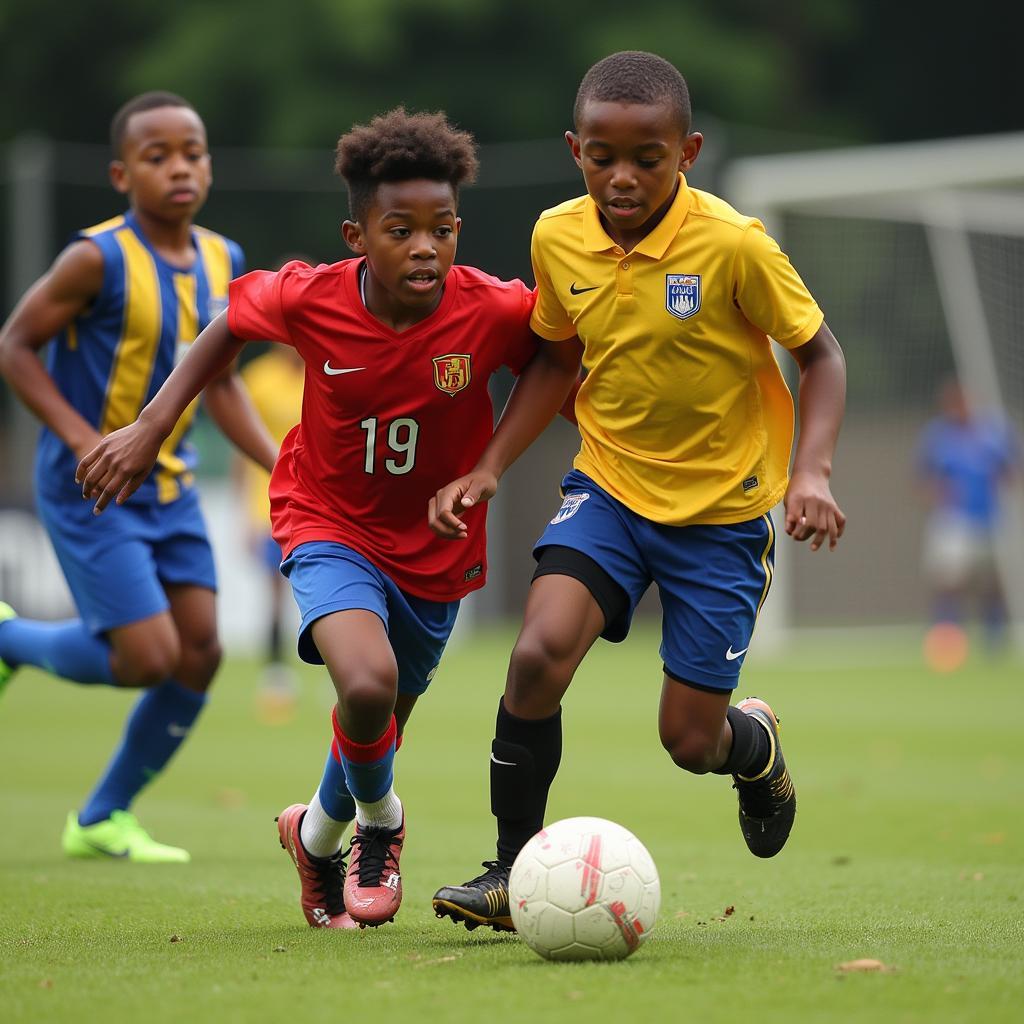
[{"x": 121, "y": 304}]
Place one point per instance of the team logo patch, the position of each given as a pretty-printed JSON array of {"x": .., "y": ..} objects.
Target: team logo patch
[
  {"x": 682, "y": 294},
  {"x": 452, "y": 373},
  {"x": 570, "y": 506},
  {"x": 217, "y": 305}
]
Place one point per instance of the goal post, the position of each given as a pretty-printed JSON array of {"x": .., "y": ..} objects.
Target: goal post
[{"x": 916, "y": 253}]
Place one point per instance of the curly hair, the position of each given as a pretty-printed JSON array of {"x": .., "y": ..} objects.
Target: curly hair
[
  {"x": 136, "y": 105},
  {"x": 634, "y": 76},
  {"x": 399, "y": 146}
]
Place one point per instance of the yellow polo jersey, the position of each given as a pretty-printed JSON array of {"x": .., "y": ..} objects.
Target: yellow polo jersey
[
  {"x": 275, "y": 385},
  {"x": 684, "y": 415}
]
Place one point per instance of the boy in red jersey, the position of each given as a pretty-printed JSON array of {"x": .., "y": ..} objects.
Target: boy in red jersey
[{"x": 399, "y": 346}]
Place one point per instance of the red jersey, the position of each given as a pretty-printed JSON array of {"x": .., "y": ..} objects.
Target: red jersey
[{"x": 388, "y": 418}]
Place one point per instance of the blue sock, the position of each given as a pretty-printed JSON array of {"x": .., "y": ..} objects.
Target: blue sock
[
  {"x": 369, "y": 767},
  {"x": 160, "y": 720},
  {"x": 335, "y": 798},
  {"x": 65, "y": 649}
]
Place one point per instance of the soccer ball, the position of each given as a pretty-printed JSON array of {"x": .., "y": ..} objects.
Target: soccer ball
[{"x": 584, "y": 889}]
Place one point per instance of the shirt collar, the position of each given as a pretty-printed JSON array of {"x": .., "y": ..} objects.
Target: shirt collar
[{"x": 655, "y": 245}]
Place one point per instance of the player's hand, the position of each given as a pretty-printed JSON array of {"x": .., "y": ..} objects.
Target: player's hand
[
  {"x": 444, "y": 509},
  {"x": 811, "y": 511},
  {"x": 116, "y": 467}
]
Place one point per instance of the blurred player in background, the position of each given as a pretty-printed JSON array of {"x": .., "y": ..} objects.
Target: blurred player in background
[
  {"x": 399, "y": 346},
  {"x": 122, "y": 303},
  {"x": 687, "y": 427},
  {"x": 274, "y": 381},
  {"x": 965, "y": 461}
]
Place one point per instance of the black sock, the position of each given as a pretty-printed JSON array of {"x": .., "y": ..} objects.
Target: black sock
[
  {"x": 274, "y": 642},
  {"x": 751, "y": 747},
  {"x": 524, "y": 759}
]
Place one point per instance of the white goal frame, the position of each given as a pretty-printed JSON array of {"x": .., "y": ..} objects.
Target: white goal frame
[{"x": 949, "y": 187}]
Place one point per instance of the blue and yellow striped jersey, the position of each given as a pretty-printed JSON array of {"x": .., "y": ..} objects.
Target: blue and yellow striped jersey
[{"x": 114, "y": 357}]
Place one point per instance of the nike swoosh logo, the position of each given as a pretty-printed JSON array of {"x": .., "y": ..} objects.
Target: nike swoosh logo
[
  {"x": 731, "y": 655},
  {"x": 579, "y": 291},
  {"x": 332, "y": 371},
  {"x": 178, "y": 732},
  {"x": 104, "y": 850},
  {"x": 511, "y": 764}
]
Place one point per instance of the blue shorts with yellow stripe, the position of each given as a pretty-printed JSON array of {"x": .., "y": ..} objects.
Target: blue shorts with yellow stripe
[{"x": 712, "y": 579}]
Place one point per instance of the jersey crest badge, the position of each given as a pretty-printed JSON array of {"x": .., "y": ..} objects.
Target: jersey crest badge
[
  {"x": 217, "y": 305},
  {"x": 682, "y": 294},
  {"x": 570, "y": 506},
  {"x": 452, "y": 373}
]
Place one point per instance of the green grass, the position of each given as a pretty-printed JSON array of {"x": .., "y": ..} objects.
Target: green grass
[{"x": 908, "y": 848}]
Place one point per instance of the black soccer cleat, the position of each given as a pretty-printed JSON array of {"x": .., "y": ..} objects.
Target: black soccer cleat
[
  {"x": 767, "y": 801},
  {"x": 482, "y": 900}
]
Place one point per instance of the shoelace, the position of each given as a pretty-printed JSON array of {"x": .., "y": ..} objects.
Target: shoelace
[
  {"x": 375, "y": 854},
  {"x": 495, "y": 877}
]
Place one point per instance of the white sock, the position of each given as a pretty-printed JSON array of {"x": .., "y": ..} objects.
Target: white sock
[
  {"x": 321, "y": 835},
  {"x": 383, "y": 813}
]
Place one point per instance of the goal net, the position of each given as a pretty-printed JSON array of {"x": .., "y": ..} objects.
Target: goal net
[{"x": 916, "y": 254}]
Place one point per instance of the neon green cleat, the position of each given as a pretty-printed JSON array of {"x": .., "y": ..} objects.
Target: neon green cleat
[
  {"x": 120, "y": 835},
  {"x": 6, "y": 671}
]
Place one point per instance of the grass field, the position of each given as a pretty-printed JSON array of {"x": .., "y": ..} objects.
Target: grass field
[{"x": 908, "y": 848}]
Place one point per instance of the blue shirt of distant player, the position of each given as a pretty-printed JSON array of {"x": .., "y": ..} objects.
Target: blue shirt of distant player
[{"x": 968, "y": 460}]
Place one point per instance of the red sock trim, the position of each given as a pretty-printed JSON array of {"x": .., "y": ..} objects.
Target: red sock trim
[
  {"x": 336, "y": 750},
  {"x": 364, "y": 753}
]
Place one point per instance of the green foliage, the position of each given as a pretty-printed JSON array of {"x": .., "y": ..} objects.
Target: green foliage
[
  {"x": 266, "y": 73},
  {"x": 300, "y": 73}
]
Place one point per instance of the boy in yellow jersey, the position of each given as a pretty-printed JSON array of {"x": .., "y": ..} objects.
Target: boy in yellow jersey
[
  {"x": 121, "y": 304},
  {"x": 274, "y": 381},
  {"x": 686, "y": 427}
]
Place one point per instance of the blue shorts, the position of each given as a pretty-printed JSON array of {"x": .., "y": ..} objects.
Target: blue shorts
[
  {"x": 712, "y": 580},
  {"x": 118, "y": 563},
  {"x": 328, "y": 577}
]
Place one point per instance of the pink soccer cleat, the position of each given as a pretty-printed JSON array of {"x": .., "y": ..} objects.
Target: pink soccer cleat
[
  {"x": 373, "y": 884},
  {"x": 322, "y": 880}
]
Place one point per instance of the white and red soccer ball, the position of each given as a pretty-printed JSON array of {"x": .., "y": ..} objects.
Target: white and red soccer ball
[{"x": 584, "y": 889}]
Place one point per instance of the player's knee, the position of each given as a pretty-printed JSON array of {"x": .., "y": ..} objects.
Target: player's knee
[
  {"x": 539, "y": 659},
  {"x": 536, "y": 681},
  {"x": 200, "y": 659},
  {"x": 146, "y": 667},
  {"x": 692, "y": 751},
  {"x": 368, "y": 695}
]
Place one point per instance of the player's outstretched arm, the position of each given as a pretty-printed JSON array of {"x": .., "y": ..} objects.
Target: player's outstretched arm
[
  {"x": 811, "y": 511},
  {"x": 53, "y": 302},
  {"x": 539, "y": 393},
  {"x": 116, "y": 467}
]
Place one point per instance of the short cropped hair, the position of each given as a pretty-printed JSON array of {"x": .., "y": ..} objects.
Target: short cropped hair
[
  {"x": 399, "y": 146},
  {"x": 634, "y": 76},
  {"x": 144, "y": 101}
]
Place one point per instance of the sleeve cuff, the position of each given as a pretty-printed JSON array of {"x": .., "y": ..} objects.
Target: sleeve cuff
[{"x": 805, "y": 332}]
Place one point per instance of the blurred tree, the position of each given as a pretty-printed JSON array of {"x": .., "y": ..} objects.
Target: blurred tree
[{"x": 300, "y": 73}]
